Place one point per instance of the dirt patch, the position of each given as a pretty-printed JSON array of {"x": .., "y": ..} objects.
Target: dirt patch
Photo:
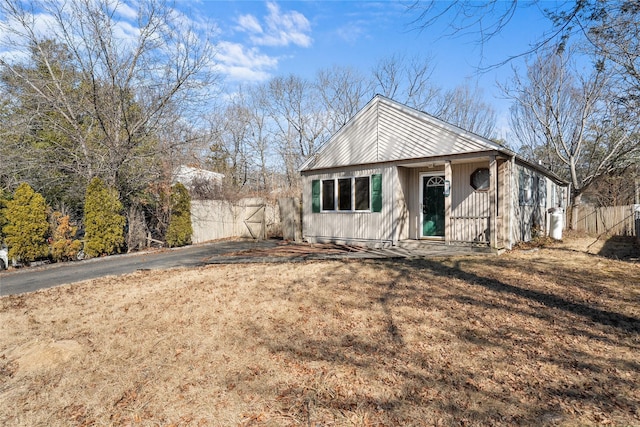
[
  {"x": 546, "y": 337},
  {"x": 37, "y": 356}
]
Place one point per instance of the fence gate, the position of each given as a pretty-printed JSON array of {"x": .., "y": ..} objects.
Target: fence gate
[{"x": 255, "y": 221}]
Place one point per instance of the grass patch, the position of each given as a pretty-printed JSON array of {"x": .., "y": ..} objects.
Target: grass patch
[{"x": 550, "y": 337}]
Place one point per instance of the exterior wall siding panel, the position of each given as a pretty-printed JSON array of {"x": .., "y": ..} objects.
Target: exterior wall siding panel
[
  {"x": 358, "y": 143},
  {"x": 356, "y": 226},
  {"x": 386, "y": 131},
  {"x": 531, "y": 215},
  {"x": 403, "y": 136},
  {"x": 470, "y": 209}
]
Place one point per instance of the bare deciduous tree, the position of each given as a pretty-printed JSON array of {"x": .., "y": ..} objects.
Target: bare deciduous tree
[
  {"x": 299, "y": 120},
  {"x": 464, "y": 107},
  {"x": 111, "y": 81},
  {"x": 343, "y": 91},
  {"x": 406, "y": 80},
  {"x": 561, "y": 116}
]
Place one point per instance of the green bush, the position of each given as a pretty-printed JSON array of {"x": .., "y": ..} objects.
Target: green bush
[
  {"x": 27, "y": 225},
  {"x": 103, "y": 220},
  {"x": 179, "y": 231}
]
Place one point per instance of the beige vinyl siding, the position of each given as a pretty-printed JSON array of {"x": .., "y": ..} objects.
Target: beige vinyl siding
[
  {"x": 351, "y": 226},
  {"x": 388, "y": 131},
  {"x": 406, "y": 134},
  {"x": 470, "y": 209},
  {"x": 534, "y": 216},
  {"x": 404, "y": 198},
  {"x": 355, "y": 143}
]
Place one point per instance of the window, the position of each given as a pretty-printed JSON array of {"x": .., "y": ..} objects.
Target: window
[
  {"x": 347, "y": 194},
  {"x": 542, "y": 190},
  {"x": 362, "y": 193},
  {"x": 328, "y": 195},
  {"x": 533, "y": 189},
  {"x": 480, "y": 179},
  {"x": 344, "y": 194},
  {"x": 527, "y": 193}
]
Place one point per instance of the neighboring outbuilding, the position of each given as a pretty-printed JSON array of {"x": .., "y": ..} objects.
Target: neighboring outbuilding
[
  {"x": 192, "y": 177},
  {"x": 395, "y": 174}
]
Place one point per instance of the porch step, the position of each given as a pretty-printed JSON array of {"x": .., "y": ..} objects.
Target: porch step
[{"x": 428, "y": 246}]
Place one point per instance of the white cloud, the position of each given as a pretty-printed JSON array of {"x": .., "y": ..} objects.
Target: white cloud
[
  {"x": 351, "y": 33},
  {"x": 250, "y": 24},
  {"x": 241, "y": 63},
  {"x": 14, "y": 37},
  {"x": 126, "y": 11},
  {"x": 126, "y": 32},
  {"x": 281, "y": 28}
]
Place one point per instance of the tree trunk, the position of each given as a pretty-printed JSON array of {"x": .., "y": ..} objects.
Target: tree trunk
[{"x": 575, "y": 209}]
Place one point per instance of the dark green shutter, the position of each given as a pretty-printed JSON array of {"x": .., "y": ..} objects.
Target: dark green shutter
[
  {"x": 315, "y": 196},
  {"x": 376, "y": 193}
]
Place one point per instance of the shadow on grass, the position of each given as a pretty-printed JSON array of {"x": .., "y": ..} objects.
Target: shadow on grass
[
  {"x": 462, "y": 368},
  {"x": 604, "y": 317},
  {"x": 624, "y": 248}
]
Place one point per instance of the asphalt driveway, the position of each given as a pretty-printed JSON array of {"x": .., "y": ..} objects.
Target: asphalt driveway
[
  {"x": 223, "y": 252},
  {"x": 33, "y": 279}
]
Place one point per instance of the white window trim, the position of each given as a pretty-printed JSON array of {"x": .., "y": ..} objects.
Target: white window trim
[{"x": 336, "y": 202}]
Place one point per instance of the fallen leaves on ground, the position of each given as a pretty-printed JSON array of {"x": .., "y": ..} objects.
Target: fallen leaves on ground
[{"x": 549, "y": 337}]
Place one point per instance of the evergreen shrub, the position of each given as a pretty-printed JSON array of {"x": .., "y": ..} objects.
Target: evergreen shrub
[
  {"x": 103, "y": 220},
  {"x": 63, "y": 245},
  {"x": 27, "y": 225},
  {"x": 179, "y": 231}
]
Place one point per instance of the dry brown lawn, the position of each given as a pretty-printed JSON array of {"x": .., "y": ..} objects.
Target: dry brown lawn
[{"x": 545, "y": 337}]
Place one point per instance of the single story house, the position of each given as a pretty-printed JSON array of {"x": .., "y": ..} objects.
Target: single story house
[{"x": 393, "y": 174}]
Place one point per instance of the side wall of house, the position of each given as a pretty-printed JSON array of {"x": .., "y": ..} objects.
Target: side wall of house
[
  {"x": 532, "y": 196},
  {"x": 353, "y": 226}
]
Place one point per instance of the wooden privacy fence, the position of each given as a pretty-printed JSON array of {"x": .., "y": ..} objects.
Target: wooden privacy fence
[
  {"x": 613, "y": 220},
  {"x": 218, "y": 219},
  {"x": 254, "y": 218}
]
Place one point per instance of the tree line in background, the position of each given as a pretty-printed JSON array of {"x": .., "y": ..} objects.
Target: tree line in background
[{"x": 81, "y": 102}]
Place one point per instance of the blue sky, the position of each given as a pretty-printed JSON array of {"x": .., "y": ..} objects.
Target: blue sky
[{"x": 258, "y": 40}]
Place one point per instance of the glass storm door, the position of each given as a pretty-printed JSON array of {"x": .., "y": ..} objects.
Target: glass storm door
[{"x": 432, "y": 206}]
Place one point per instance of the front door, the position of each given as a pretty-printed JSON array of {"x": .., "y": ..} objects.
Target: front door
[{"x": 432, "y": 206}]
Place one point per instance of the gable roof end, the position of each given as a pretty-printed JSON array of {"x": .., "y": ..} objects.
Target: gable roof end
[{"x": 385, "y": 130}]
